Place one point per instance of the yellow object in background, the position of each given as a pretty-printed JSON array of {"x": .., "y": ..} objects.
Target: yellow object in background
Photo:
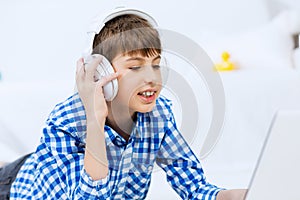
[{"x": 226, "y": 64}]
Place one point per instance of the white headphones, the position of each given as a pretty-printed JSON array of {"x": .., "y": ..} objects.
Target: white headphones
[{"x": 110, "y": 89}]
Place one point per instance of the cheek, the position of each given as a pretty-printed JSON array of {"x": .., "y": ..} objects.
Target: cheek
[
  {"x": 162, "y": 77},
  {"x": 128, "y": 86}
]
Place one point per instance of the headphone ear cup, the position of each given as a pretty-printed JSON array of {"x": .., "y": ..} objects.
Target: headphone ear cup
[{"x": 110, "y": 90}]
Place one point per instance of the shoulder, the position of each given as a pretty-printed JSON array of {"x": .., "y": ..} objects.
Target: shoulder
[
  {"x": 69, "y": 116},
  {"x": 67, "y": 108}
]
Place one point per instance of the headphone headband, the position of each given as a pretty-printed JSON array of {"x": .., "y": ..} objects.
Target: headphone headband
[{"x": 99, "y": 22}]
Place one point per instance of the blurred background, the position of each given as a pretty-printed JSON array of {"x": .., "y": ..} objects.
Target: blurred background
[{"x": 42, "y": 40}]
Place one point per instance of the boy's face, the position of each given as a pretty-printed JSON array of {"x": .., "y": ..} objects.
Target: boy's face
[{"x": 140, "y": 82}]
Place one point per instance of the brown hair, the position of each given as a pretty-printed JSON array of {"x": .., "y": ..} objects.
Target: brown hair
[{"x": 128, "y": 35}]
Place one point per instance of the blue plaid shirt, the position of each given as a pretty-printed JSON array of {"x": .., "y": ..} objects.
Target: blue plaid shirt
[{"x": 56, "y": 170}]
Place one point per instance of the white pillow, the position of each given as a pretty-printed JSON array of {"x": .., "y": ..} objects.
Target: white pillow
[{"x": 270, "y": 46}]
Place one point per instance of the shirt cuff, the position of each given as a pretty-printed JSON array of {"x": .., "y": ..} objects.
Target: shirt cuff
[
  {"x": 209, "y": 192},
  {"x": 89, "y": 187}
]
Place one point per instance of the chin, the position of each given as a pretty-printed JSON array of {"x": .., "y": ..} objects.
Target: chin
[{"x": 146, "y": 108}]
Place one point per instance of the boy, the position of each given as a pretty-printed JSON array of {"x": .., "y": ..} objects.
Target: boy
[{"x": 97, "y": 149}]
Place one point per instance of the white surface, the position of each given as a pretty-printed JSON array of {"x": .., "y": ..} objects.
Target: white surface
[
  {"x": 296, "y": 58},
  {"x": 25, "y": 107},
  {"x": 277, "y": 175},
  {"x": 252, "y": 98}
]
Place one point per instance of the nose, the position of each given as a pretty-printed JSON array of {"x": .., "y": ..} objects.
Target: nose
[{"x": 151, "y": 75}]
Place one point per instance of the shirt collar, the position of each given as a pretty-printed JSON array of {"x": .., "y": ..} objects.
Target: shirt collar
[
  {"x": 161, "y": 112},
  {"x": 112, "y": 136},
  {"x": 138, "y": 125}
]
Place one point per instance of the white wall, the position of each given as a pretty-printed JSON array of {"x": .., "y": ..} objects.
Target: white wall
[
  {"x": 41, "y": 40},
  {"x": 46, "y": 37}
]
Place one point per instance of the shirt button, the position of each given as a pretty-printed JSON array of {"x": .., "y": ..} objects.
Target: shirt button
[{"x": 119, "y": 141}]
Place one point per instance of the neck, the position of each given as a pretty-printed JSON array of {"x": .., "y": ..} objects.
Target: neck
[{"x": 121, "y": 120}]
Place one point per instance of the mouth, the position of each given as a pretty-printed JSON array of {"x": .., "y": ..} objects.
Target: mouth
[{"x": 148, "y": 95}]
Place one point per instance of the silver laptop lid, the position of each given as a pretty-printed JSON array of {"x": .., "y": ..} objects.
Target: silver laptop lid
[{"x": 277, "y": 175}]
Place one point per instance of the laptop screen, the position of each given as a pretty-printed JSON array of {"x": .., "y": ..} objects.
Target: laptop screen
[{"x": 277, "y": 174}]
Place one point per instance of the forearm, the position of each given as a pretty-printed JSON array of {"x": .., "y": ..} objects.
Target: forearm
[
  {"x": 92, "y": 97},
  {"x": 95, "y": 159},
  {"x": 235, "y": 194}
]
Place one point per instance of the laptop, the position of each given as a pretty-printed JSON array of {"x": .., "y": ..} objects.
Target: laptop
[{"x": 277, "y": 174}]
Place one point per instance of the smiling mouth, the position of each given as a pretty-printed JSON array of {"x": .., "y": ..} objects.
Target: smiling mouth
[{"x": 147, "y": 94}]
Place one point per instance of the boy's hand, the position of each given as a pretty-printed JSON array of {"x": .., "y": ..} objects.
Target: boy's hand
[
  {"x": 91, "y": 92},
  {"x": 233, "y": 194}
]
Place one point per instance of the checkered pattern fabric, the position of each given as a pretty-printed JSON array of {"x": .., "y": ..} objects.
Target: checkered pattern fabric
[{"x": 56, "y": 171}]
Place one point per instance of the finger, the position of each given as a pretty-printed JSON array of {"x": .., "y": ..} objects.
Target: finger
[
  {"x": 92, "y": 67},
  {"x": 106, "y": 79},
  {"x": 79, "y": 63},
  {"x": 80, "y": 69}
]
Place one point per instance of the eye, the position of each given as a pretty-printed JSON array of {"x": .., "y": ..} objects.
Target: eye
[
  {"x": 156, "y": 66},
  {"x": 135, "y": 67}
]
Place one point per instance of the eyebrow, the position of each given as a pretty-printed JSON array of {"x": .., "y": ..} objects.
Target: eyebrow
[{"x": 141, "y": 58}]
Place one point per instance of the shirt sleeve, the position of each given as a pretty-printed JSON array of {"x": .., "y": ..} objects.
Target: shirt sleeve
[
  {"x": 183, "y": 169},
  {"x": 56, "y": 170},
  {"x": 68, "y": 154}
]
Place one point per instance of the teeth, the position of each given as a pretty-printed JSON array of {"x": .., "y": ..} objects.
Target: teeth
[{"x": 147, "y": 94}]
